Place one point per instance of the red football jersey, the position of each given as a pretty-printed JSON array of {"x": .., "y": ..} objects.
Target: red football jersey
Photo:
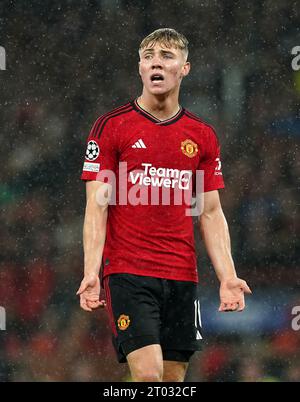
[{"x": 148, "y": 230}]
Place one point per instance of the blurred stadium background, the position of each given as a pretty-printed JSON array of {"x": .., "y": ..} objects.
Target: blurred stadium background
[{"x": 67, "y": 63}]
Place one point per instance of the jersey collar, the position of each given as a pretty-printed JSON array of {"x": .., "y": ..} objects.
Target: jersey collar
[{"x": 149, "y": 116}]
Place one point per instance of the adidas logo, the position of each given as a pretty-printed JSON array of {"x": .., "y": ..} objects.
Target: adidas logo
[{"x": 139, "y": 144}]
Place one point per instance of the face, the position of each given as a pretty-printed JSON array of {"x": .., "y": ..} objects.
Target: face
[{"x": 162, "y": 68}]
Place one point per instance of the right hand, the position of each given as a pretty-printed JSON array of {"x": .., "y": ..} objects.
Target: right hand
[{"x": 89, "y": 292}]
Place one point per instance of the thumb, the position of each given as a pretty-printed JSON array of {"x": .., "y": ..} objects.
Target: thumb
[
  {"x": 246, "y": 288},
  {"x": 83, "y": 286}
]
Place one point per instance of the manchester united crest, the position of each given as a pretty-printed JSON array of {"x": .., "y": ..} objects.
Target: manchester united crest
[
  {"x": 189, "y": 148},
  {"x": 123, "y": 322}
]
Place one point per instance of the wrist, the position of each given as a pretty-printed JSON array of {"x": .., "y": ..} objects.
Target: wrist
[
  {"x": 91, "y": 269},
  {"x": 227, "y": 278},
  {"x": 91, "y": 275}
]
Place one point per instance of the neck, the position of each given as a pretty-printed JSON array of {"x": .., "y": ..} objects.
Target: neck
[{"x": 162, "y": 107}]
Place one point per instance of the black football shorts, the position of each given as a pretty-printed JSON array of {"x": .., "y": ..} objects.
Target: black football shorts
[{"x": 144, "y": 310}]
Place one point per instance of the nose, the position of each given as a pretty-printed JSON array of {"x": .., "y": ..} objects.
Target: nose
[{"x": 156, "y": 62}]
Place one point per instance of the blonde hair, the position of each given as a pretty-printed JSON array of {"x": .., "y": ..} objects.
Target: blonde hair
[{"x": 167, "y": 37}]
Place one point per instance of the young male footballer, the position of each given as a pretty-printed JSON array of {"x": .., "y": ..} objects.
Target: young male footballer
[{"x": 144, "y": 241}]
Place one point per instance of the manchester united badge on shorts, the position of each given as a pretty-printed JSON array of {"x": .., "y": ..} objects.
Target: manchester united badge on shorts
[
  {"x": 123, "y": 322},
  {"x": 189, "y": 148}
]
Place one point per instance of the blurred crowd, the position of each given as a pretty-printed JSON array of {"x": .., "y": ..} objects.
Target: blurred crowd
[{"x": 66, "y": 65}]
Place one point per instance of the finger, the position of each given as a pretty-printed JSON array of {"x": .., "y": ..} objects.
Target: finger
[
  {"x": 246, "y": 288},
  {"x": 102, "y": 303},
  {"x": 83, "y": 286},
  {"x": 227, "y": 307},
  {"x": 232, "y": 306},
  {"x": 241, "y": 304},
  {"x": 83, "y": 304},
  {"x": 93, "y": 304}
]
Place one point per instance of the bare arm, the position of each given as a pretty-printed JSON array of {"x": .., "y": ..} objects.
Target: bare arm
[
  {"x": 214, "y": 231},
  {"x": 94, "y": 235},
  {"x": 94, "y": 229}
]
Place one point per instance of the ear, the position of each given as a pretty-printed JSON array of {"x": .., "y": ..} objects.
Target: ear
[
  {"x": 140, "y": 68},
  {"x": 186, "y": 69}
]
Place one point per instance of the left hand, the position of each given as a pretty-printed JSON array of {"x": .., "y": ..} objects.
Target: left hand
[{"x": 232, "y": 294}]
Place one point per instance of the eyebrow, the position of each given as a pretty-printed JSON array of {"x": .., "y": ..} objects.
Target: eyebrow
[{"x": 162, "y": 51}]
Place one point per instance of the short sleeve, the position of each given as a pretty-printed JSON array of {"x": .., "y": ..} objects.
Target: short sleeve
[
  {"x": 101, "y": 155},
  {"x": 210, "y": 163}
]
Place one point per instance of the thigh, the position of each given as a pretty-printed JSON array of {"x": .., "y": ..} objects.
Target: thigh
[
  {"x": 134, "y": 312},
  {"x": 181, "y": 320}
]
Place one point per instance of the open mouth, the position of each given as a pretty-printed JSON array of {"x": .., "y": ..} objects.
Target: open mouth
[{"x": 156, "y": 77}]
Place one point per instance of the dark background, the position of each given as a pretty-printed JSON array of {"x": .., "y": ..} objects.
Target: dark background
[{"x": 69, "y": 62}]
